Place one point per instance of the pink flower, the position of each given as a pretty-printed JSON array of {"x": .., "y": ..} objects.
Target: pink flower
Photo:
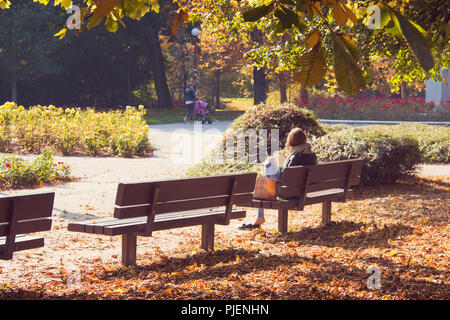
[{"x": 8, "y": 165}]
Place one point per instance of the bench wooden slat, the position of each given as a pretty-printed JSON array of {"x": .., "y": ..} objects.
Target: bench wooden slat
[
  {"x": 22, "y": 242},
  {"x": 28, "y": 226},
  {"x": 162, "y": 223},
  {"x": 28, "y": 206},
  {"x": 243, "y": 199},
  {"x": 324, "y": 195},
  {"x": 98, "y": 227},
  {"x": 322, "y": 171},
  {"x": 95, "y": 226},
  {"x": 183, "y": 189},
  {"x": 80, "y": 226},
  {"x": 331, "y": 184}
]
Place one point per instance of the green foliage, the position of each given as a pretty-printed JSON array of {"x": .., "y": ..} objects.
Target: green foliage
[
  {"x": 19, "y": 172},
  {"x": 386, "y": 158},
  {"x": 73, "y": 131}
]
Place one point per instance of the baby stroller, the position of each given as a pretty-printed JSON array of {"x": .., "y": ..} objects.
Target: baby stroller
[{"x": 202, "y": 111}]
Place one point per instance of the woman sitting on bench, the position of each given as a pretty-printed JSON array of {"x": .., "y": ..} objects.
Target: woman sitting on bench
[{"x": 299, "y": 154}]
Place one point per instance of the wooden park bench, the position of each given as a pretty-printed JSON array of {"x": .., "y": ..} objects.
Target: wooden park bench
[
  {"x": 20, "y": 215},
  {"x": 144, "y": 207},
  {"x": 320, "y": 183}
]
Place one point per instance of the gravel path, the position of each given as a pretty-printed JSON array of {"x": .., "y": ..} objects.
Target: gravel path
[{"x": 434, "y": 169}]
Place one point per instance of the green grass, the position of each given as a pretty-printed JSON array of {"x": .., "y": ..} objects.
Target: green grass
[
  {"x": 241, "y": 104},
  {"x": 163, "y": 116}
]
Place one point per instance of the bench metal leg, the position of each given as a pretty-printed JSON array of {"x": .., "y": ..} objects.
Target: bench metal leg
[
  {"x": 326, "y": 213},
  {"x": 282, "y": 220},
  {"x": 208, "y": 236},
  {"x": 129, "y": 242}
]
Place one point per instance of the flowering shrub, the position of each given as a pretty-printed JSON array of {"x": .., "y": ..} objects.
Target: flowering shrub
[
  {"x": 377, "y": 108},
  {"x": 20, "y": 172},
  {"x": 73, "y": 131}
]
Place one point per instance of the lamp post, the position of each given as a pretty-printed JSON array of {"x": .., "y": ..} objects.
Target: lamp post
[{"x": 195, "y": 32}]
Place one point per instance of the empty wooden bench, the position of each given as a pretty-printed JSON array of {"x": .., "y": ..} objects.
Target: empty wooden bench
[
  {"x": 320, "y": 183},
  {"x": 20, "y": 215},
  {"x": 142, "y": 208}
]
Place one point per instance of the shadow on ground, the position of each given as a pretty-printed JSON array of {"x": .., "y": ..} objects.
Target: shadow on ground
[
  {"x": 395, "y": 279},
  {"x": 345, "y": 234}
]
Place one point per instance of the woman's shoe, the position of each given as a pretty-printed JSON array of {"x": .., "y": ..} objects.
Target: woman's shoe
[{"x": 249, "y": 226}]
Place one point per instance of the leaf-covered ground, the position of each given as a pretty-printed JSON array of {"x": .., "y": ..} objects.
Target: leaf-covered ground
[{"x": 402, "y": 229}]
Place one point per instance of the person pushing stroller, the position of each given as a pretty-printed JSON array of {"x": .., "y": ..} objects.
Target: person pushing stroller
[{"x": 189, "y": 98}]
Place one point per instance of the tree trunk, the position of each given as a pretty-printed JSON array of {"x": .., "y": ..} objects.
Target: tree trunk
[
  {"x": 217, "y": 102},
  {"x": 403, "y": 90},
  {"x": 14, "y": 89},
  {"x": 159, "y": 71},
  {"x": 304, "y": 96},
  {"x": 283, "y": 88},
  {"x": 259, "y": 86},
  {"x": 259, "y": 75}
]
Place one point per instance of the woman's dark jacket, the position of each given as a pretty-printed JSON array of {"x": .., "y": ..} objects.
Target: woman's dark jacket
[
  {"x": 300, "y": 159},
  {"x": 189, "y": 94}
]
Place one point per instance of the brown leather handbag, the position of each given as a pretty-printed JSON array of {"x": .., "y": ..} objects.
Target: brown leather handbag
[{"x": 265, "y": 189}]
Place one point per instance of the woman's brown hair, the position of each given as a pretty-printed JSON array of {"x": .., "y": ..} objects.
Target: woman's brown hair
[{"x": 295, "y": 137}]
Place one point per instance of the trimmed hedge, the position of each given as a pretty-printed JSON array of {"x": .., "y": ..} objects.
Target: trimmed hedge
[
  {"x": 386, "y": 157},
  {"x": 434, "y": 141}
]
